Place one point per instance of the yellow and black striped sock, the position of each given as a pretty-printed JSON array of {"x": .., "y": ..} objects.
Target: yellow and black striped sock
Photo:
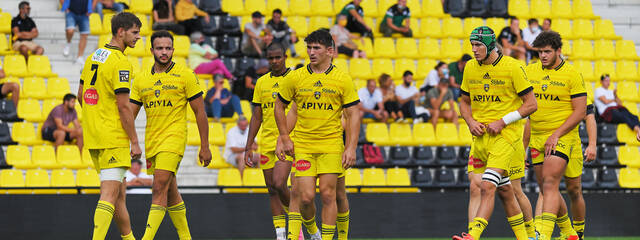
[
  {"x": 579, "y": 227},
  {"x": 531, "y": 230},
  {"x": 328, "y": 231},
  {"x": 311, "y": 226},
  {"x": 479, "y": 224},
  {"x": 565, "y": 225},
  {"x": 128, "y": 236},
  {"x": 295, "y": 223},
  {"x": 470, "y": 226},
  {"x": 178, "y": 214},
  {"x": 279, "y": 221},
  {"x": 547, "y": 225},
  {"x": 537, "y": 223},
  {"x": 342, "y": 223},
  {"x": 156, "y": 214},
  {"x": 102, "y": 219},
  {"x": 517, "y": 225}
]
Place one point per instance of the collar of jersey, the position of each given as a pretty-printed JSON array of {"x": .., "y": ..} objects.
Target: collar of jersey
[
  {"x": 283, "y": 74},
  {"x": 556, "y": 68},
  {"x": 325, "y": 72},
  {"x": 494, "y": 62},
  {"x": 166, "y": 71},
  {"x": 109, "y": 46}
]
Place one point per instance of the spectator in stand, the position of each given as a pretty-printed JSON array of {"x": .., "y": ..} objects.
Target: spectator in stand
[
  {"x": 252, "y": 42},
  {"x": 546, "y": 25},
  {"x": 392, "y": 21},
  {"x": 250, "y": 79},
  {"x": 440, "y": 71},
  {"x": 281, "y": 31},
  {"x": 7, "y": 88},
  {"x": 236, "y": 143},
  {"x": 389, "y": 99},
  {"x": 511, "y": 40},
  {"x": 344, "y": 39},
  {"x": 529, "y": 35},
  {"x": 24, "y": 31},
  {"x": 98, "y": 5},
  {"x": 220, "y": 102},
  {"x": 610, "y": 107},
  {"x": 436, "y": 98},
  {"x": 77, "y": 14},
  {"x": 355, "y": 20},
  {"x": 203, "y": 59},
  {"x": 56, "y": 128},
  {"x": 456, "y": 70},
  {"x": 137, "y": 178},
  {"x": 186, "y": 13},
  {"x": 407, "y": 95},
  {"x": 163, "y": 17},
  {"x": 371, "y": 102}
]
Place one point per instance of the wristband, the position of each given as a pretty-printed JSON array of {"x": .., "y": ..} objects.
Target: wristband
[{"x": 511, "y": 117}]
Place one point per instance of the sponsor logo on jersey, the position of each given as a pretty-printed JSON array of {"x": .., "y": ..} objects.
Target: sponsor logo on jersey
[
  {"x": 535, "y": 153},
  {"x": 318, "y": 84},
  {"x": 327, "y": 90},
  {"x": 548, "y": 97},
  {"x": 169, "y": 87},
  {"x": 515, "y": 170},
  {"x": 100, "y": 55},
  {"x": 497, "y": 82},
  {"x": 91, "y": 96},
  {"x": 473, "y": 81},
  {"x": 158, "y": 103},
  {"x": 486, "y": 76},
  {"x": 318, "y": 106},
  {"x": 486, "y": 87},
  {"x": 303, "y": 165},
  {"x": 556, "y": 83},
  {"x": 263, "y": 159},
  {"x": 149, "y": 164},
  {"x": 267, "y": 105},
  {"x": 317, "y": 95},
  {"x": 486, "y": 98},
  {"x": 124, "y": 75}
]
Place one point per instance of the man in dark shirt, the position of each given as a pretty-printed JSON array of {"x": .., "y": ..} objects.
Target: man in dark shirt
[
  {"x": 220, "y": 102},
  {"x": 56, "y": 128},
  {"x": 455, "y": 75},
  {"x": 77, "y": 14},
  {"x": 24, "y": 31},
  {"x": 392, "y": 21},
  {"x": 355, "y": 20},
  {"x": 511, "y": 40},
  {"x": 163, "y": 17},
  {"x": 281, "y": 31}
]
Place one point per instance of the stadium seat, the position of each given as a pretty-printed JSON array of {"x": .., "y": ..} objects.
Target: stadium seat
[
  {"x": 23, "y": 133},
  {"x": 445, "y": 178},
  {"x": 629, "y": 178},
  {"x": 140, "y": 50},
  {"x": 429, "y": 48},
  {"x": 360, "y": 68},
  {"x": 33, "y": 87},
  {"x": 603, "y": 66},
  {"x": 472, "y": 23},
  {"x": 29, "y": 109},
  {"x": 57, "y": 87},
  {"x": 519, "y": 9},
  {"x": 607, "y": 178},
  {"x": 352, "y": 177},
  {"x": 254, "y": 177},
  {"x": 627, "y": 91},
  {"x": 216, "y": 134},
  {"x": 44, "y": 156},
  {"x": 582, "y": 49},
  {"x": 341, "y": 64},
  {"x": 86, "y": 158},
  {"x": 430, "y": 27},
  {"x": 604, "y": 50},
  {"x": 464, "y": 135},
  {"x": 603, "y": 28},
  {"x": 407, "y": 47},
  {"x": 384, "y": 5},
  {"x": 629, "y": 156},
  {"x": 141, "y": 6},
  {"x": 378, "y": 134},
  {"x": 299, "y": 8},
  {"x": 626, "y": 135},
  {"x": 380, "y": 66},
  {"x": 561, "y": 9},
  {"x": 447, "y": 134},
  {"x": 583, "y": 29},
  {"x": 15, "y": 65},
  {"x": 5, "y": 22},
  {"x": 38, "y": 178},
  {"x": 19, "y": 157},
  {"x": 416, "y": 8},
  {"x": 632, "y": 107},
  {"x": 583, "y": 9},
  {"x": 421, "y": 178},
  {"x": 233, "y": 7},
  {"x": 400, "y": 134},
  {"x": 301, "y": 49},
  {"x": 446, "y": 156},
  {"x": 423, "y": 156},
  {"x": 5, "y": 48},
  {"x": 229, "y": 177},
  {"x": 384, "y": 48},
  {"x": 563, "y": 26},
  {"x": 399, "y": 156},
  {"x": 588, "y": 179},
  {"x": 424, "y": 135},
  {"x": 88, "y": 178},
  {"x": 193, "y": 136},
  {"x": 299, "y": 24},
  {"x": 403, "y": 65},
  {"x": 321, "y": 8},
  {"x": 366, "y": 45},
  {"x": 95, "y": 24},
  {"x": 106, "y": 24},
  {"x": 606, "y": 155},
  {"x": 496, "y": 24},
  {"x": 48, "y": 105},
  {"x": 399, "y": 177},
  {"x": 586, "y": 69},
  {"x": 13, "y": 178},
  {"x": 451, "y": 48},
  {"x": 181, "y": 46},
  {"x": 373, "y": 177},
  {"x": 145, "y": 27},
  {"x": 463, "y": 178},
  {"x": 625, "y": 49},
  {"x": 283, "y": 5},
  {"x": 63, "y": 178},
  {"x": 40, "y": 66},
  {"x": 424, "y": 64},
  {"x": 316, "y": 22},
  {"x": 432, "y": 8},
  {"x": 453, "y": 28},
  {"x": 463, "y": 155},
  {"x": 607, "y": 133},
  {"x": 69, "y": 157},
  {"x": 627, "y": 71},
  {"x": 567, "y": 50}
]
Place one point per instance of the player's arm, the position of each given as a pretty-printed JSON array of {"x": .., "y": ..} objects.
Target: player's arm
[
  {"x": 526, "y": 137},
  {"x": 292, "y": 117},
  {"x": 127, "y": 122},
  {"x": 284, "y": 144},
  {"x": 145, "y": 181},
  {"x": 352, "y": 119},
  {"x": 590, "y": 152},
  {"x": 254, "y": 127},
  {"x": 59, "y": 125},
  {"x": 358, "y": 18},
  {"x": 80, "y": 96}
]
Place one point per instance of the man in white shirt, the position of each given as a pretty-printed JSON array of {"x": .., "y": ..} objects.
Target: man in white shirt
[
  {"x": 529, "y": 35},
  {"x": 610, "y": 107},
  {"x": 236, "y": 142},
  {"x": 408, "y": 95},
  {"x": 433, "y": 78},
  {"x": 138, "y": 178},
  {"x": 371, "y": 102}
]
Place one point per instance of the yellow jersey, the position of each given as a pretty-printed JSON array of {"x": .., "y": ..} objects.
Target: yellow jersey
[
  {"x": 554, "y": 89},
  {"x": 320, "y": 99},
  {"x": 106, "y": 72},
  {"x": 264, "y": 95},
  {"x": 165, "y": 97},
  {"x": 494, "y": 89}
]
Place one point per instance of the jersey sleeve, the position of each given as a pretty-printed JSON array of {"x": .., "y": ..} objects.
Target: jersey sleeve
[
  {"x": 286, "y": 90},
  {"x": 520, "y": 81},
  {"x": 464, "y": 86},
  {"x": 134, "y": 96},
  {"x": 121, "y": 76},
  {"x": 192, "y": 87},
  {"x": 576, "y": 83},
  {"x": 257, "y": 92},
  {"x": 349, "y": 96}
]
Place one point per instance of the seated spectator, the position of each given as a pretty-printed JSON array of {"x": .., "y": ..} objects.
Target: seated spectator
[
  {"x": 344, "y": 39},
  {"x": 7, "y": 88},
  {"x": 529, "y": 35},
  {"x": 408, "y": 95},
  {"x": 163, "y": 17},
  {"x": 236, "y": 143},
  {"x": 355, "y": 20},
  {"x": 203, "y": 59},
  {"x": 281, "y": 32},
  {"x": 98, "y": 5},
  {"x": 511, "y": 40},
  {"x": 138, "y": 178},
  {"x": 371, "y": 105},
  {"x": 56, "y": 128},
  {"x": 24, "y": 31},
  {"x": 436, "y": 97},
  {"x": 610, "y": 107},
  {"x": 392, "y": 21},
  {"x": 456, "y": 70},
  {"x": 546, "y": 25},
  {"x": 186, "y": 13},
  {"x": 253, "y": 43},
  {"x": 389, "y": 99},
  {"x": 434, "y": 76},
  {"x": 220, "y": 102}
]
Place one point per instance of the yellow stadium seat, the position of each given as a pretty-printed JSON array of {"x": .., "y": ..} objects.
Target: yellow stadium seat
[
  {"x": 496, "y": 24},
  {"x": 181, "y": 46},
  {"x": 369, "y": 7},
  {"x": 48, "y": 105},
  {"x": 246, "y": 108},
  {"x": 63, "y": 178},
  {"x": 384, "y": 47},
  {"x": 23, "y": 133},
  {"x": 79, "y": 111},
  {"x": 586, "y": 69},
  {"x": 216, "y": 134},
  {"x": 104, "y": 39},
  {"x": 432, "y": 8},
  {"x": 147, "y": 62},
  {"x": 567, "y": 50},
  {"x": 407, "y": 47},
  {"x": 360, "y": 68},
  {"x": 378, "y": 134},
  {"x": 564, "y": 28},
  {"x": 400, "y": 134},
  {"x": 626, "y": 135},
  {"x": 582, "y": 28},
  {"x": 321, "y": 8},
  {"x": 416, "y": 27},
  {"x": 95, "y": 24},
  {"x": 15, "y": 65},
  {"x": 277, "y": 4},
  {"x": 39, "y": 178},
  {"x": 519, "y": 8},
  {"x": 625, "y": 49},
  {"x": 106, "y": 24},
  {"x": 301, "y": 49},
  {"x": 318, "y": 22},
  {"x": 589, "y": 88},
  {"x": 602, "y": 67},
  {"x": 384, "y": 5},
  {"x": 429, "y": 48},
  {"x": 416, "y": 8},
  {"x": 366, "y": 45},
  {"x": 629, "y": 178},
  {"x": 583, "y": 9},
  {"x": 464, "y": 135},
  {"x": 423, "y": 134},
  {"x": 193, "y": 136},
  {"x": 13, "y": 178},
  {"x": 141, "y": 6},
  {"x": 582, "y": 49},
  {"x": 338, "y": 5},
  {"x": 40, "y": 66},
  {"x": 216, "y": 159},
  {"x": 88, "y": 178},
  {"x": 453, "y": 28},
  {"x": 604, "y": 50},
  {"x": 380, "y": 66},
  {"x": 629, "y": 156},
  {"x": 403, "y": 65},
  {"x": 5, "y": 48},
  {"x": 341, "y": 64},
  {"x": 230, "y": 177},
  {"x": 69, "y": 157},
  {"x": 29, "y": 109},
  {"x": 19, "y": 157},
  {"x": 472, "y": 23},
  {"x": 451, "y": 48},
  {"x": 424, "y": 65},
  {"x": 135, "y": 63},
  {"x": 561, "y": 9},
  {"x": 627, "y": 70},
  {"x": 33, "y": 87},
  {"x": 430, "y": 27},
  {"x": 138, "y": 51},
  {"x": 233, "y": 7},
  {"x": 86, "y": 158},
  {"x": 603, "y": 28},
  {"x": 44, "y": 157},
  {"x": 254, "y": 177},
  {"x": 631, "y": 106},
  {"x": 446, "y": 134},
  {"x": 299, "y": 8},
  {"x": 145, "y": 28},
  {"x": 399, "y": 177},
  {"x": 57, "y": 87},
  {"x": 352, "y": 177},
  {"x": 374, "y": 177},
  {"x": 627, "y": 91},
  {"x": 5, "y": 22},
  {"x": 299, "y": 24}
]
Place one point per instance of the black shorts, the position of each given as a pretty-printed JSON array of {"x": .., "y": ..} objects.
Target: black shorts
[
  {"x": 47, "y": 134},
  {"x": 345, "y": 50}
]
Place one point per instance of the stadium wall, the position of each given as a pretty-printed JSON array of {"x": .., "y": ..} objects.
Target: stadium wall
[{"x": 224, "y": 216}]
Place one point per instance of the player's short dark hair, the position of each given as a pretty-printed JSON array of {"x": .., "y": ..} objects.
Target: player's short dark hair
[
  {"x": 68, "y": 97},
  {"x": 161, "y": 34},
  {"x": 532, "y": 21},
  {"x": 136, "y": 161},
  {"x": 548, "y": 19},
  {"x": 278, "y": 11},
  {"x": 407, "y": 73},
  {"x": 274, "y": 46},
  {"x": 23, "y": 4},
  {"x": 439, "y": 65},
  {"x": 320, "y": 36},
  {"x": 549, "y": 38},
  {"x": 125, "y": 21}
]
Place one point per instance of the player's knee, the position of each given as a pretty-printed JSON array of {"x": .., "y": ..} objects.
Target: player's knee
[
  {"x": 307, "y": 199},
  {"x": 574, "y": 191},
  {"x": 328, "y": 196}
]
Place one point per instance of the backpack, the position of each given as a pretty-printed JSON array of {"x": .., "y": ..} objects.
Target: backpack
[{"x": 372, "y": 154}]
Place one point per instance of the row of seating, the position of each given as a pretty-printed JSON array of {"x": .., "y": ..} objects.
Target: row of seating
[
  {"x": 39, "y": 66},
  {"x": 45, "y": 157},
  {"x": 422, "y": 134},
  {"x": 35, "y": 87},
  {"x": 30, "y": 110},
  {"x": 41, "y": 178},
  {"x": 558, "y": 9}
]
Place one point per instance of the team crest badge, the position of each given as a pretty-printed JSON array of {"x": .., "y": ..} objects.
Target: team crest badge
[
  {"x": 486, "y": 87},
  {"x": 274, "y": 95},
  {"x": 157, "y": 93},
  {"x": 316, "y": 95},
  {"x": 544, "y": 87}
]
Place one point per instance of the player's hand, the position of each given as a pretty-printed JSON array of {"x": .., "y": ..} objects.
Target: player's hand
[
  {"x": 550, "y": 145},
  {"x": 590, "y": 153},
  {"x": 248, "y": 154},
  {"x": 205, "y": 156},
  {"x": 476, "y": 128},
  {"x": 136, "y": 151},
  {"x": 496, "y": 127},
  {"x": 348, "y": 158},
  {"x": 284, "y": 147}
]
